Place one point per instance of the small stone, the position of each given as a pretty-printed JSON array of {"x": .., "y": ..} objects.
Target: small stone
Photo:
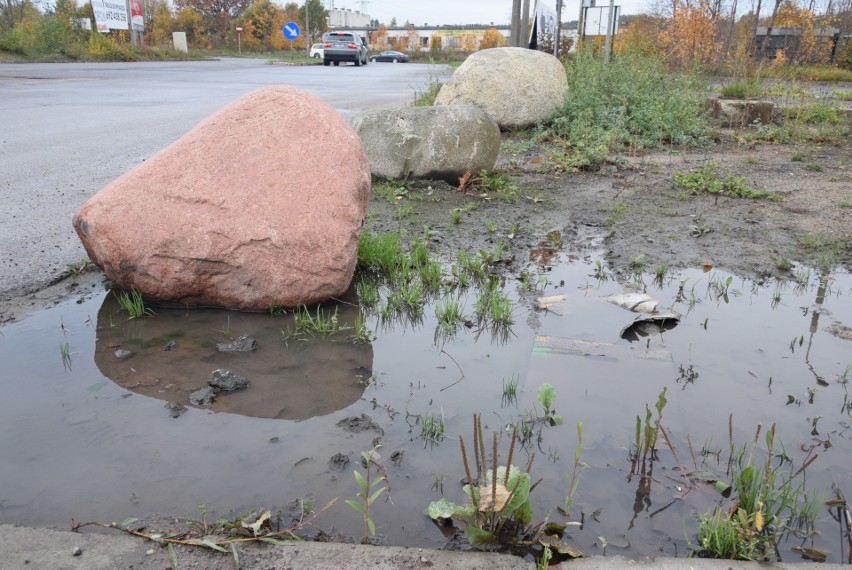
[
  {"x": 77, "y": 551},
  {"x": 358, "y": 424},
  {"x": 175, "y": 409},
  {"x": 224, "y": 380},
  {"x": 338, "y": 461},
  {"x": 171, "y": 345},
  {"x": 243, "y": 343},
  {"x": 203, "y": 397},
  {"x": 121, "y": 354}
]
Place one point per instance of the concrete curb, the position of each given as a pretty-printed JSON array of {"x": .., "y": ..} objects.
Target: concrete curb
[{"x": 46, "y": 549}]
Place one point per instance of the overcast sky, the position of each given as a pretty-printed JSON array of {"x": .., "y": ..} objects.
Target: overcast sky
[{"x": 439, "y": 12}]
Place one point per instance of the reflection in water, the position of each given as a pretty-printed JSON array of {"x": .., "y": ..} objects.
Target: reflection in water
[{"x": 173, "y": 354}]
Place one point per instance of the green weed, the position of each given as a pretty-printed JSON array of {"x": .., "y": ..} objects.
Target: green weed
[
  {"x": 426, "y": 98},
  {"x": 65, "y": 353},
  {"x": 81, "y": 266},
  {"x": 645, "y": 438},
  {"x": 432, "y": 428},
  {"x": 381, "y": 253},
  {"x": 449, "y": 313},
  {"x": 510, "y": 390},
  {"x": 498, "y": 497},
  {"x": 814, "y": 167},
  {"x": 366, "y": 495},
  {"x": 744, "y": 89},
  {"x": 321, "y": 324},
  {"x": 133, "y": 304},
  {"x": 710, "y": 178},
  {"x": 633, "y": 101}
]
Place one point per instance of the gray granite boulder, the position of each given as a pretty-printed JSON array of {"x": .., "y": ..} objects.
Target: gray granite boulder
[
  {"x": 429, "y": 142},
  {"x": 518, "y": 87}
]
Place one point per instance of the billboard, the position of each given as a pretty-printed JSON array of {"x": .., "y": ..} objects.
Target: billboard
[
  {"x": 110, "y": 15},
  {"x": 137, "y": 21},
  {"x": 595, "y": 19}
]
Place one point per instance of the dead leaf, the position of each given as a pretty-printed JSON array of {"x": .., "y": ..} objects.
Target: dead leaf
[{"x": 501, "y": 497}]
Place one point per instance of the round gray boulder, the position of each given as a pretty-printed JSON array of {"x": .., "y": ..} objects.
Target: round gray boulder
[
  {"x": 429, "y": 142},
  {"x": 518, "y": 87}
]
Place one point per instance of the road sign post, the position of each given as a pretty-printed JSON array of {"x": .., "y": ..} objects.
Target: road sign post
[
  {"x": 291, "y": 32},
  {"x": 239, "y": 43}
]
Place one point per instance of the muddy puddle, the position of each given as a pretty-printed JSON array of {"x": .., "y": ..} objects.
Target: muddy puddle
[{"x": 87, "y": 433}]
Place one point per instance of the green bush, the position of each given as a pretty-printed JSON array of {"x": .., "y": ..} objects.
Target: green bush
[{"x": 631, "y": 102}]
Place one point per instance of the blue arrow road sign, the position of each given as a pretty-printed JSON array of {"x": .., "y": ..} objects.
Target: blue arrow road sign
[{"x": 291, "y": 30}]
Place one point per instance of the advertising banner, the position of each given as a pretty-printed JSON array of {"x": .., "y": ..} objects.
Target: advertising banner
[
  {"x": 137, "y": 21},
  {"x": 110, "y": 15}
]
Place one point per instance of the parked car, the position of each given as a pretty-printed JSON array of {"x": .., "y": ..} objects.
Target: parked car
[
  {"x": 316, "y": 50},
  {"x": 390, "y": 56},
  {"x": 343, "y": 46}
]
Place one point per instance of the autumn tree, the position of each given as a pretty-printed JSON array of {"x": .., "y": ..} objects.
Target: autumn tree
[
  {"x": 492, "y": 39},
  {"x": 217, "y": 14},
  {"x": 640, "y": 35},
  {"x": 260, "y": 19},
  {"x": 379, "y": 38},
  {"x": 467, "y": 43},
  {"x": 413, "y": 39},
  {"x": 191, "y": 21},
  {"x": 162, "y": 24},
  {"x": 691, "y": 33},
  {"x": 318, "y": 19}
]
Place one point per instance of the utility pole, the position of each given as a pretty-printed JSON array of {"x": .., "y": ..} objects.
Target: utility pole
[
  {"x": 308, "y": 41},
  {"x": 515, "y": 31},
  {"x": 558, "y": 28},
  {"x": 610, "y": 26},
  {"x": 525, "y": 25}
]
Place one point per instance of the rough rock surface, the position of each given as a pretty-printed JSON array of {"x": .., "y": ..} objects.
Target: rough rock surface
[
  {"x": 517, "y": 87},
  {"x": 739, "y": 113},
  {"x": 429, "y": 142},
  {"x": 223, "y": 380},
  {"x": 243, "y": 343},
  {"x": 203, "y": 397},
  {"x": 238, "y": 213}
]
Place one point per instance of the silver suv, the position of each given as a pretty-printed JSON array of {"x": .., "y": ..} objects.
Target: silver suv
[{"x": 344, "y": 46}]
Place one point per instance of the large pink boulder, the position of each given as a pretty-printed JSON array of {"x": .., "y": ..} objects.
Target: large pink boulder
[{"x": 261, "y": 204}]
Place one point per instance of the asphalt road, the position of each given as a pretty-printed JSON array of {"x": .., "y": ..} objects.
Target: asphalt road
[{"x": 67, "y": 129}]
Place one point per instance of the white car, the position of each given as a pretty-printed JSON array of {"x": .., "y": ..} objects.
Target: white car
[{"x": 317, "y": 50}]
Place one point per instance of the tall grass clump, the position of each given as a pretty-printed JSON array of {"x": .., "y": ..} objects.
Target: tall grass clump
[
  {"x": 629, "y": 103},
  {"x": 381, "y": 253}
]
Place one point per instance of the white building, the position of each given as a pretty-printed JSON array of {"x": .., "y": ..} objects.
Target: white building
[{"x": 345, "y": 18}]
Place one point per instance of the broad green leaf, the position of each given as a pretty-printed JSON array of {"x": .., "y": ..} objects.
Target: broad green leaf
[
  {"x": 723, "y": 488},
  {"x": 501, "y": 475},
  {"x": 173, "y": 558},
  {"x": 443, "y": 509},
  {"x": 372, "y": 526},
  {"x": 466, "y": 513},
  {"x": 361, "y": 481},
  {"x": 479, "y": 536},
  {"x": 522, "y": 493},
  {"x": 523, "y": 514},
  {"x": 376, "y": 495},
  {"x": 356, "y": 505},
  {"x": 555, "y": 420}
]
